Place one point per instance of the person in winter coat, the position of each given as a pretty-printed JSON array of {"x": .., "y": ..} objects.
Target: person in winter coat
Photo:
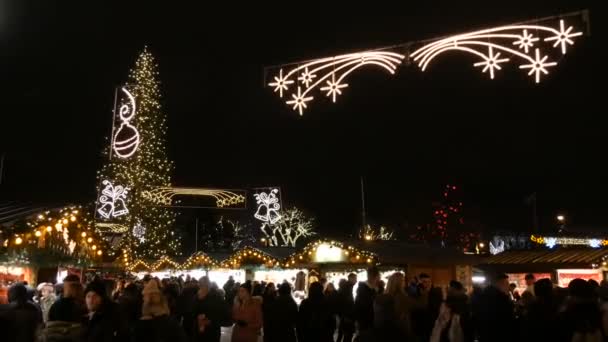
[
  {"x": 346, "y": 304},
  {"x": 46, "y": 299},
  {"x": 392, "y": 311},
  {"x": 454, "y": 322},
  {"x": 315, "y": 322},
  {"x": 581, "y": 319},
  {"x": 185, "y": 307},
  {"x": 156, "y": 324},
  {"x": 495, "y": 318},
  {"x": 247, "y": 315},
  {"x": 23, "y": 317},
  {"x": 70, "y": 307},
  {"x": 280, "y": 317},
  {"x": 210, "y": 313},
  {"x": 364, "y": 302},
  {"x": 104, "y": 322},
  {"x": 539, "y": 322},
  {"x": 268, "y": 304}
]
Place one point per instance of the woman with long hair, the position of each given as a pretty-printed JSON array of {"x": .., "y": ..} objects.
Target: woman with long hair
[
  {"x": 392, "y": 309},
  {"x": 247, "y": 315}
]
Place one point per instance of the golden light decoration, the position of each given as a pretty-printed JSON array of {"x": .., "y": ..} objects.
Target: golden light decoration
[
  {"x": 99, "y": 252},
  {"x": 49, "y": 229},
  {"x": 18, "y": 241},
  {"x": 38, "y": 233},
  {"x": 89, "y": 240},
  {"x": 83, "y": 234},
  {"x": 351, "y": 254}
]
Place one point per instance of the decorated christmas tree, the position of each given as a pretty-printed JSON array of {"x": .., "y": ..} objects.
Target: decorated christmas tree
[{"x": 137, "y": 163}]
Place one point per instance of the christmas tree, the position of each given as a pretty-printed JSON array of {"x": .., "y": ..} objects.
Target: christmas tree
[{"x": 138, "y": 162}]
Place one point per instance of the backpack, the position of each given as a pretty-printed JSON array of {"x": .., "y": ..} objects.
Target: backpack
[{"x": 59, "y": 331}]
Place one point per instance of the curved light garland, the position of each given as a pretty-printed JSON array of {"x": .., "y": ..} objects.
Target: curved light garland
[
  {"x": 328, "y": 75},
  {"x": 223, "y": 198},
  {"x": 514, "y": 40}
]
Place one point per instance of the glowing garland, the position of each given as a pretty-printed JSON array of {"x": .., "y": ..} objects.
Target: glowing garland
[
  {"x": 67, "y": 230},
  {"x": 490, "y": 43},
  {"x": 126, "y": 140},
  {"x": 351, "y": 254},
  {"x": 112, "y": 200},
  {"x": 566, "y": 241},
  {"x": 330, "y": 74},
  {"x": 250, "y": 254},
  {"x": 198, "y": 258},
  {"x": 223, "y": 198}
]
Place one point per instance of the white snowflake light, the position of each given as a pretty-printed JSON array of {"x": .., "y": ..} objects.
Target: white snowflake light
[
  {"x": 139, "y": 232},
  {"x": 307, "y": 77},
  {"x": 526, "y": 41},
  {"x": 333, "y": 88},
  {"x": 563, "y": 36},
  {"x": 299, "y": 101},
  {"x": 538, "y": 65},
  {"x": 491, "y": 62},
  {"x": 112, "y": 200},
  {"x": 126, "y": 139},
  {"x": 280, "y": 83}
]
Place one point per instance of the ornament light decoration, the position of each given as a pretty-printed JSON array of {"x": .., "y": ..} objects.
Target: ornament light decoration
[
  {"x": 112, "y": 200},
  {"x": 330, "y": 73},
  {"x": 489, "y": 44},
  {"x": 126, "y": 139},
  {"x": 269, "y": 205}
]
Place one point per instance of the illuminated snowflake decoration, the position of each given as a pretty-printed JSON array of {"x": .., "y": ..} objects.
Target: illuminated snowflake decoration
[
  {"x": 526, "y": 41},
  {"x": 491, "y": 62},
  {"x": 307, "y": 77},
  {"x": 333, "y": 88},
  {"x": 299, "y": 101},
  {"x": 563, "y": 37},
  {"x": 112, "y": 200},
  {"x": 139, "y": 232},
  {"x": 489, "y": 44},
  {"x": 280, "y": 83},
  {"x": 329, "y": 74},
  {"x": 539, "y": 65}
]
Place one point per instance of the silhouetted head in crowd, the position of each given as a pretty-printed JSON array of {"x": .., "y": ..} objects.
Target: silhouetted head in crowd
[
  {"x": 501, "y": 281},
  {"x": 530, "y": 279},
  {"x": 425, "y": 282},
  {"x": 285, "y": 289},
  {"x": 315, "y": 291},
  {"x": 543, "y": 288},
  {"x": 352, "y": 278},
  {"x": 373, "y": 276},
  {"x": 580, "y": 289}
]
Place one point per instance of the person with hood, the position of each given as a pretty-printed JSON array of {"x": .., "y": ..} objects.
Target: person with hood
[
  {"x": 247, "y": 315},
  {"x": 156, "y": 324},
  {"x": 46, "y": 299},
  {"x": 315, "y": 322},
  {"x": 210, "y": 313},
  {"x": 23, "y": 317},
  {"x": 280, "y": 317},
  {"x": 104, "y": 322}
]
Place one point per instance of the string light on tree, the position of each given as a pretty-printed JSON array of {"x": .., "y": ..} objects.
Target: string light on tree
[{"x": 150, "y": 169}]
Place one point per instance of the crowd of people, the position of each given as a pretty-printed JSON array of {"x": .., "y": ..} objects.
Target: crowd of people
[{"x": 189, "y": 310}]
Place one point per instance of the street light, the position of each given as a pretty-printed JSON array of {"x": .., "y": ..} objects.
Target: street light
[
  {"x": 481, "y": 245},
  {"x": 561, "y": 218}
]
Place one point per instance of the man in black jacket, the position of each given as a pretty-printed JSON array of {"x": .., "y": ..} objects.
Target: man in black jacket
[
  {"x": 23, "y": 317},
  {"x": 70, "y": 307},
  {"x": 210, "y": 312},
  {"x": 104, "y": 321},
  {"x": 496, "y": 313}
]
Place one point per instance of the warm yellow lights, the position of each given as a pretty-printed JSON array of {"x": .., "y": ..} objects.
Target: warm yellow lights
[
  {"x": 89, "y": 240},
  {"x": 38, "y": 233},
  {"x": 49, "y": 229},
  {"x": 99, "y": 252},
  {"x": 65, "y": 221},
  {"x": 18, "y": 241},
  {"x": 83, "y": 234},
  {"x": 73, "y": 218},
  {"x": 94, "y": 247}
]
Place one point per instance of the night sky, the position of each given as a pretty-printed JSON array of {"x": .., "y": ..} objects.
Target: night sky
[{"x": 407, "y": 134}]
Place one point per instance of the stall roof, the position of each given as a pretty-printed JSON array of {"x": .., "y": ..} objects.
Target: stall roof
[
  {"x": 565, "y": 256},
  {"x": 14, "y": 211},
  {"x": 399, "y": 253}
]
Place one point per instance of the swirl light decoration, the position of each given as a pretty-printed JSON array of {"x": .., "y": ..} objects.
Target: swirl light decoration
[
  {"x": 223, "y": 198},
  {"x": 126, "y": 139},
  {"x": 524, "y": 43},
  {"x": 328, "y": 75}
]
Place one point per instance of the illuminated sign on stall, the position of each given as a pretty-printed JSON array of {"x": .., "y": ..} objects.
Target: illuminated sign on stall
[{"x": 328, "y": 253}]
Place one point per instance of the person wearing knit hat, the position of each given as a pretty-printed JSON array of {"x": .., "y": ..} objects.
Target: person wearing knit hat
[{"x": 105, "y": 321}]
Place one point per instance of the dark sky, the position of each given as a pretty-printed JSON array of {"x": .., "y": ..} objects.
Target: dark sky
[{"x": 408, "y": 135}]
